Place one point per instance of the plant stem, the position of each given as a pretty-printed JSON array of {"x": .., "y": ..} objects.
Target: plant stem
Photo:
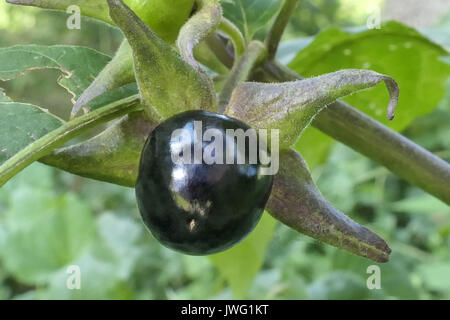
[
  {"x": 276, "y": 32},
  {"x": 204, "y": 22},
  {"x": 397, "y": 153},
  {"x": 235, "y": 35},
  {"x": 218, "y": 47},
  {"x": 376, "y": 141},
  {"x": 240, "y": 71},
  {"x": 67, "y": 131}
]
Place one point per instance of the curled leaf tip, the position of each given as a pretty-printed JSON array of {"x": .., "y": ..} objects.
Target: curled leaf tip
[
  {"x": 394, "y": 92},
  {"x": 229, "y": 29},
  {"x": 352, "y": 80},
  {"x": 291, "y": 106},
  {"x": 197, "y": 28}
]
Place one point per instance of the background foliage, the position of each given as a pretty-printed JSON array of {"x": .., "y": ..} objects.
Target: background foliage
[{"x": 50, "y": 219}]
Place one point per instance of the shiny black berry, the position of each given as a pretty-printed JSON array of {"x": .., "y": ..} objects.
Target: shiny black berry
[{"x": 190, "y": 195}]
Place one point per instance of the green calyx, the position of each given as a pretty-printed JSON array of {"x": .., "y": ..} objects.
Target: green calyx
[
  {"x": 111, "y": 156},
  {"x": 118, "y": 72},
  {"x": 291, "y": 106},
  {"x": 167, "y": 84},
  {"x": 296, "y": 201}
]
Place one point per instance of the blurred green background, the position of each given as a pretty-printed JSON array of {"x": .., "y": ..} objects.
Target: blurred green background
[{"x": 51, "y": 219}]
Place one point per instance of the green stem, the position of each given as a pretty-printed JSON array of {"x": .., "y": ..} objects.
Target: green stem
[
  {"x": 240, "y": 72},
  {"x": 203, "y": 23},
  {"x": 376, "y": 141},
  {"x": 229, "y": 29},
  {"x": 206, "y": 57},
  {"x": 276, "y": 32},
  {"x": 397, "y": 153},
  {"x": 67, "y": 131},
  {"x": 222, "y": 53}
]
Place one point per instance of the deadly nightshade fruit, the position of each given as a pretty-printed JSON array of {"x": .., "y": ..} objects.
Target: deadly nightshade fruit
[{"x": 192, "y": 206}]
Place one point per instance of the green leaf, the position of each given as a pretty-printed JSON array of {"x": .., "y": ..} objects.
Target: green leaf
[
  {"x": 20, "y": 125},
  {"x": 118, "y": 72},
  {"x": 3, "y": 96},
  {"x": 314, "y": 146},
  {"x": 288, "y": 50},
  {"x": 37, "y": 138},
  {"x": 339, "y": 285},
  {"x": 250, "y": 15},
  {"x": 395, "y": 50},
  {"x": 99, "y": 279},
  {"x": 39, "y": 176},
  {"x": 421, "y": 204},
  {"x": 394, "y": 281},
  {"x": 120, "y": 235},
  {"x": 42, "y": 240},
  {"x": 435, "y": 276},
  {"x": 79, "y": 65},
  {"x": 240, "y": 264},
  {"x": 91, "y": 8}
]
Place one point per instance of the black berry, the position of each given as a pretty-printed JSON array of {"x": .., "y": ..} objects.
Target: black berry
[{"x": 196, "y": 207}]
